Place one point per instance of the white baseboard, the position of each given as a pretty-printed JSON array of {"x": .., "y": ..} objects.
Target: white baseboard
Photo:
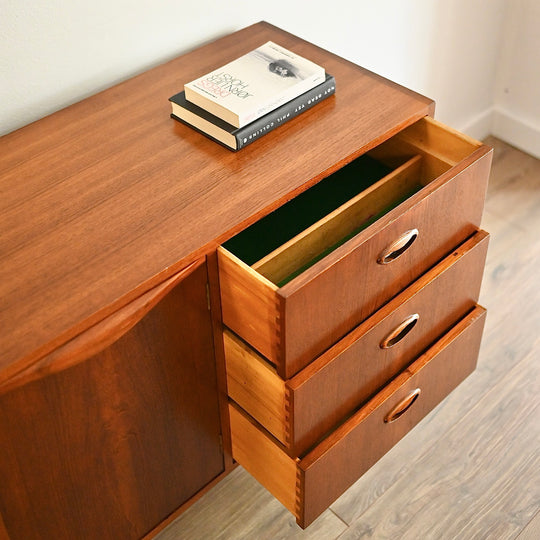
[
  {"x": 480, "y": 126},
  {"x": 505, "y": 126},
  {"x": 516, "y": 132}
]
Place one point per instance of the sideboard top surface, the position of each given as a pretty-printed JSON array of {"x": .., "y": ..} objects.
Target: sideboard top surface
[{"x": 108, "y": 197}]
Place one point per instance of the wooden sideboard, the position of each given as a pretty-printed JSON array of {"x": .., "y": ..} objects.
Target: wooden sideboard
[{"x": 146, "y": 346}]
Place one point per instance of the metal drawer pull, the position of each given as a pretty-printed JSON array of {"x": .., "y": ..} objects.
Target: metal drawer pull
[
  {"x": 398, "y": 247},
  {"x": 396, "y": 335},
  {"x": 402, "y": 407}
]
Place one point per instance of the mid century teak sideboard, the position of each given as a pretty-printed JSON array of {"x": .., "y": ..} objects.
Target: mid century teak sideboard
[{"x": 170, "y": 308}]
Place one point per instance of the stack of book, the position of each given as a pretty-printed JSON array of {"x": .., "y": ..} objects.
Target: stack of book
[{"x": 252, "y": 95}]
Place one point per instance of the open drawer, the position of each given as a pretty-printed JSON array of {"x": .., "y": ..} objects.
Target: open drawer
[
  {"x": 309, "y": 485},
  {"x": 301, "y": 410},
  {"x": 301, "y": 278}
]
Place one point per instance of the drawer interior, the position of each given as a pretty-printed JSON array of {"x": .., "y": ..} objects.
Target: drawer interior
[{"x": 298, "y": 234}]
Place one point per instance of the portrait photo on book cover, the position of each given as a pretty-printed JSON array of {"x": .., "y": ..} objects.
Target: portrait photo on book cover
[{"x": 280, "y": 66}]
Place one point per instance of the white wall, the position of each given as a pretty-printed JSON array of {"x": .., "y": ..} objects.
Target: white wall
[
  {"x": 516, "y": 115},
  {"x": 56, "y": 52}
]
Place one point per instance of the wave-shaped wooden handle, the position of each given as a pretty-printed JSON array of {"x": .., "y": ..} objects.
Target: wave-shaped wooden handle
[{"x": 98, "y": 337}]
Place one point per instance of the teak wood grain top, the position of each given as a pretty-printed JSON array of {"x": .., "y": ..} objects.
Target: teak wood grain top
[{"x": 107, "y": 198}]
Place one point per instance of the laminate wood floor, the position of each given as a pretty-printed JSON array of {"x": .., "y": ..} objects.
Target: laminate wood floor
[{"x": 471, "y": 469}]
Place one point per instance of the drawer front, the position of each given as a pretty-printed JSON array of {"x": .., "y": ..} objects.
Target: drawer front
[
  {"x": 366, "y": 359},
  {"x": 308, "y": 486},
  {"x": 358, "y": 444},
  {"x": 332, "y": 298},
  {"x": 299, "y": 411},
  {"x": 292, "y": 322}
]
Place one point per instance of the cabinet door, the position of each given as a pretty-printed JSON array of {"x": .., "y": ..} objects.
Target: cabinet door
[{"x": 110, "y": 446}]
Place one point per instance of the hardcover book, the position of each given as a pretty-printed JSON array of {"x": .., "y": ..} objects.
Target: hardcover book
[
  {"x": 236, "y": 138},
  {"x": 254, "y": 84}
]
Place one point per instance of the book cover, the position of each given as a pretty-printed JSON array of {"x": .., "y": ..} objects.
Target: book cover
[
  {"x": 236, "y": 138},
  {"x": 254, "y": 84}
]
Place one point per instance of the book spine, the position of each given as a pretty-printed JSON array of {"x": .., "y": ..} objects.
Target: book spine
[{"x": 284, "y": 113}]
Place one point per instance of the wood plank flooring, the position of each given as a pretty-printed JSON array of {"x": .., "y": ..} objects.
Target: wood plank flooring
[{"x": 471, "y": 469}]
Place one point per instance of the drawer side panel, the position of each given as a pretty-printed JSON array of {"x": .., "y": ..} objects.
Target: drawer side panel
[
  {"x": 250, "y": 306},
  {"x": 256, "y": 387},
  {"x": 263, "y": 459}
]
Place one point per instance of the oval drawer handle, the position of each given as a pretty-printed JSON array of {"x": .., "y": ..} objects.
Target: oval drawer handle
[
  {"x": 396, "y": 335},
  {"x": 402, "y": 407},
  {"x": 398, "y": 247}
]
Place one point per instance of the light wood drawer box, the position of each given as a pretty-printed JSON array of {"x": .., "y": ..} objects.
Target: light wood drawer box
[
  {"x": 301, "y": 410},
  {"x": 435, "y": 185},
  {"x": 309, "y": 485}
]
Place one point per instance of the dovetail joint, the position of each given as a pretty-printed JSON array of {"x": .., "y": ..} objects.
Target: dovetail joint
[
  {"x": 299, "y": 503},
  {"x": 288, "y": 417},
  {"x": 279, "y": 335}
]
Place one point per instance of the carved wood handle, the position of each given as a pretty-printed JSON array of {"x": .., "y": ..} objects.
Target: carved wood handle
[
  {"x": 398, "y": 247},
  {"x": 402, "y": 407},
  {"x": 98, "y": 337},
  {"x": 398, "y": 333}
]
